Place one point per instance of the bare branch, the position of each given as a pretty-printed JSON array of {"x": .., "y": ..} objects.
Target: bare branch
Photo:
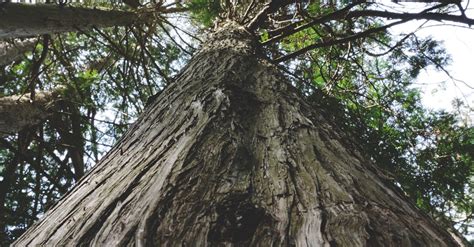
[
  {"x": 172, "y": 39},
  {"x": 270, "y": 8},
  {"x": 332, "y": 42},
  {"x": 390, "y": 48},
  {"x": 246, "y": 14},
  {"x": 412, "y": 16},
  {"x": 346, "y": 14},
  {"x": 294, "y": 28}
]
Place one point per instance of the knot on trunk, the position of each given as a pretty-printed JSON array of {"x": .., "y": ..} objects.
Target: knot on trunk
[
  {"x": 237, "y": 221},
  {"x": 231, "y": 36}
]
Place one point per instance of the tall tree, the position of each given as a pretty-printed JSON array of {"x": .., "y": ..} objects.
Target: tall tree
[
  {"x": 22, "y": 20},
  {"x": 232, "y": 153}
]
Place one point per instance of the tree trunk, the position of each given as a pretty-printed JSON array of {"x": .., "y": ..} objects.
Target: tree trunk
[
  {"x": 9, "y": 176},
  {"x": 230, "y": 154},
  {"x": 13, "y": 51},
  {"x": 20, "y": 111},
  {"x": 22, "y": 20}
]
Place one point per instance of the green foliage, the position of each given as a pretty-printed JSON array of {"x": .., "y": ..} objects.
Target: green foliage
[
  {"x": 204, "y": 11},
  {"x": 428, "y": 154},
  {"x": 106, "y": 78}
]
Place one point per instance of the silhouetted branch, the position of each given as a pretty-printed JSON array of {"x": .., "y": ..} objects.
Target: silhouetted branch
[{"x": 332, "y": 42}]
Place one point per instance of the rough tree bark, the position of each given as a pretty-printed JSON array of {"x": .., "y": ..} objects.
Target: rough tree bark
[
  {"x": 23, "y": 20},
  {"x": 14, "y": 50},
  {"x": 231, "y": 154},
  {"x": 20, "y": 111}
]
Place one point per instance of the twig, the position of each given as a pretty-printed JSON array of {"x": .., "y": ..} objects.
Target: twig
[
  {"x": 336, "y": 41},
  {"x": 247, "y": 12}
]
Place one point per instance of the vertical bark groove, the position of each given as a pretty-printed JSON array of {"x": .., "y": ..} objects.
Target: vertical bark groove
[{"x": 230, "y": 154}]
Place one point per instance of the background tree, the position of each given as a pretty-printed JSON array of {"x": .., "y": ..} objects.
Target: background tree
[{"x": 340, "y": 57}]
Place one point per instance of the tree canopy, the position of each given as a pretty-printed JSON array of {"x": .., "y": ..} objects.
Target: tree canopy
[{"x": 340, "y": 54}]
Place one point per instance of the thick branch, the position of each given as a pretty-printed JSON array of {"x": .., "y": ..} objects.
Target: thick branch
[
  {"x": 294, "y": 28},
  {"x": 21, "y": 20},
  {"x": 13, "y": 51},
  {"x": 19, "y": 111},
  {"x": 404, "y": 17},
  {"x": 346, "y": 14},
  {"x": 336, "y": 41},
  {"x": 270, "y": 8},
  {"x": 411, "y": 16}
]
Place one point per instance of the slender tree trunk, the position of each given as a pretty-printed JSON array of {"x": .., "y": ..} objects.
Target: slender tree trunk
[
  {"x": 230, "y": 154},
  {"x": 13, "y": 51},
  {"x": 76, "y": 150},
  {"x": 9, "y": 176},
  {"x": 22, "y": 20}
]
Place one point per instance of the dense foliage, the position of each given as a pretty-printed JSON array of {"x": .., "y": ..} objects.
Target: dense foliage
[{"x": 354, "y": 69}]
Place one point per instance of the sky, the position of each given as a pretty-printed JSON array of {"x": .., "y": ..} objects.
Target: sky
[
  {"x": 459, "y": 43},
  {"x": 438, "y": 89}
]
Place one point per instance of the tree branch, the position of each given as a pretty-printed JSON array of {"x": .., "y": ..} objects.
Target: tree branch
[
  {"x": 411, "y": 16},
  {"x": 293, "y": 28},
  {"x": 23, "y": 20},
  {"x": 270, "y": 8},
  {"x": 19, "y": 112},
  {"x": 14, "y": 50},
  {"x": 345, "y": 13},
  {"x": 336, "y": 41}
]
